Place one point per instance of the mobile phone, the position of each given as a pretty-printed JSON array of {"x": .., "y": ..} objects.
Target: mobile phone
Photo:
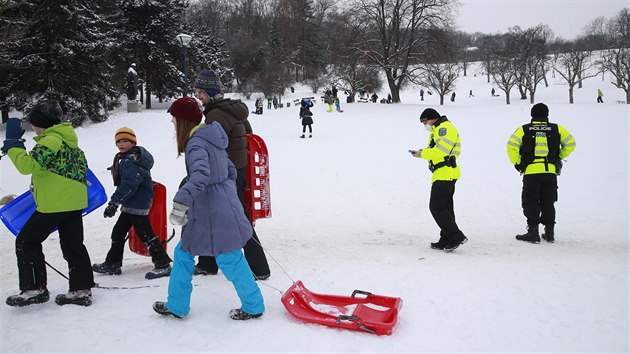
[{"x": 412, "y": 152}]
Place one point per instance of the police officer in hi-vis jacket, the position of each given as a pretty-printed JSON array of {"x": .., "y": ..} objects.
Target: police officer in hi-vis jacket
[
  {"x": 536, "y": 150},
  {"x": 442, "y": 153}
]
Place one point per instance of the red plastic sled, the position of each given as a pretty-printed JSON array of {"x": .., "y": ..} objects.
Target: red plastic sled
[
  {"x": 257, "y": 195},
  {"x": 157, "y": 217},
  {"x": 375, "y": 314}
]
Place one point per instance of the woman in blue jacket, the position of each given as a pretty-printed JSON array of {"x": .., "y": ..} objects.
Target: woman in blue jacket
[{"x": 211, "y": 215}]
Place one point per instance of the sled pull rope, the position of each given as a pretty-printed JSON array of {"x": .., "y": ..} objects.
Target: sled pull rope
[{"x": 278, "y": 264}]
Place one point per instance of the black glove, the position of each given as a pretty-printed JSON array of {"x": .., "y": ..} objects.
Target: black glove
[
  {"x": 13, "y": 135},
  {"x": 518, "y": 167},
  {"x": 110, "y": 210}
]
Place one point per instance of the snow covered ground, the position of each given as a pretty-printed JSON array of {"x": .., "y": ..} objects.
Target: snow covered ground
[{"x": 350, "y": 211}]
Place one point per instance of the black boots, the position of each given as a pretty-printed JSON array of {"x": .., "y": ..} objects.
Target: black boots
[
  {"x": 29, "y": 297},
  {"x": 548, "y": 235},
  {"x": 531, "y": 235}
]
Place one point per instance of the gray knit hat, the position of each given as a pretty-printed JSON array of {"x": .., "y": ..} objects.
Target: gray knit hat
[{"x": 210, "y": 82}]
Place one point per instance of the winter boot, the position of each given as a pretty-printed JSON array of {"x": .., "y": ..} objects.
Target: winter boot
[
  {"x": 452, "y": 245},
  {"x": 160, "y": 307},
  {"x": 531, "y": 235},
  {"x": 106, "y": 268},
  {"x": 200, "y": 271},
  {"x": 77, "y": 297},
  {"x": 310, "y": 135},
  {"x": 302, "y": 136},
  {"x": 159, "y": 272},
  {"x": 548, "y": 234},
  {"x": 439, "y": 245},
  {"x": 29, "y": 297},
  {"x": 240, "y": 315}
]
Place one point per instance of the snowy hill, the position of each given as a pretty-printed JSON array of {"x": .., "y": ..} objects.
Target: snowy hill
[{"x": 350, "y": 211}]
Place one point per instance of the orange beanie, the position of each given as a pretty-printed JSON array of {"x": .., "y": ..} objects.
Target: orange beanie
[{"x": 125, "y": 133}]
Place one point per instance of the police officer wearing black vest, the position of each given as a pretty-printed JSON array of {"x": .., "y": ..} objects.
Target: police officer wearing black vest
[{"x": 536, "y": 150}]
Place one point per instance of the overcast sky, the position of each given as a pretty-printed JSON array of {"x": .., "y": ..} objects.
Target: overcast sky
[{"x": 566, "y": 18}]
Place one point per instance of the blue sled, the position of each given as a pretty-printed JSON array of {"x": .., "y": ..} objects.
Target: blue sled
[{"x": 16, "y": 213}]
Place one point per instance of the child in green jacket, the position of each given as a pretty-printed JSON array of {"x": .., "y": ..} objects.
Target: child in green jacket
[{"x": 59, "y": 175}]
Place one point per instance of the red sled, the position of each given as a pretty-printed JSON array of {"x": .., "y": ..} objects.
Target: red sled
[
  {"x": 257, "y": 196},
  {"x": 374, "y": 314},
  {"x": 157, "y": 218}
]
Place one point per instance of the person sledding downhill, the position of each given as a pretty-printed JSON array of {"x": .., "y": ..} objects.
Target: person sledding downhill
[
  {"x": 59, "y": 176},
  {"x": 131, "y": 172},
  {"x": 443, "y": 150}
]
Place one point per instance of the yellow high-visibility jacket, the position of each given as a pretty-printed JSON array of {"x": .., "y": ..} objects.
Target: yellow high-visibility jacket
[
  {"x": 443, "y": 142},
  {"x": 541, "y": 149}
]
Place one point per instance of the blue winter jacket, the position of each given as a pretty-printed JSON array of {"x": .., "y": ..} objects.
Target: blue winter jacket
[
  {"x": 135, "y": 192},
  {"x": 216, "y": 221}
]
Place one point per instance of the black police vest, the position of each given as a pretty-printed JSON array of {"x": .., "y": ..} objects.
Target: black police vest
[{"x": 530, "y": 130}]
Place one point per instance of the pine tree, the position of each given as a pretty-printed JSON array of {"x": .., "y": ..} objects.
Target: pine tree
[
  {"x": 54, "y": 50},
  {"x": 151, "y": 27}
]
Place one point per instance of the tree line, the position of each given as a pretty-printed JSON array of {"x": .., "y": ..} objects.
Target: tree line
[{"x": 78, "y": 52}]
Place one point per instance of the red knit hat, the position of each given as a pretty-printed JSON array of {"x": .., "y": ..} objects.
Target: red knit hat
[{"x": 186, "y": 108}]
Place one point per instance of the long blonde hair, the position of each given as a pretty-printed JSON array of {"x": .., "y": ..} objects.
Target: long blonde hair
[{"x": 182, "y": 133}]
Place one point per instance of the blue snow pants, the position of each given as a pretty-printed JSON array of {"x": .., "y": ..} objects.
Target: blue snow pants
[{"x": 232, "y": 264}]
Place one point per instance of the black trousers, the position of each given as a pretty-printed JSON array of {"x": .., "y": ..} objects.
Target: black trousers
[
  {"x": 30, "y": 258},
  {"x": 540, "y": 192},
  {"x": 310, "y": 129},
  {"x": 441, "y": 206},
  {"x": 254, "y": 253},
  {"x": 145, "y": 232}
]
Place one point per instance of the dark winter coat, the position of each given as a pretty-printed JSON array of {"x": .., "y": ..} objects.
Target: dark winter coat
[
  {"x": 216, "y": 221},
  {"x": 306, "y": 115},
  {"x": 135, "y": 191},
  {"x": 232, "y": 115}
]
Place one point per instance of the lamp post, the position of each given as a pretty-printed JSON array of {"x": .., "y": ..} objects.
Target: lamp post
[{"x": 183, "y": 40}]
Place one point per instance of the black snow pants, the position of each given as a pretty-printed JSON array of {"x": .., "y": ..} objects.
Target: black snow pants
[
  {"x": 30, "y": 258},
  {"x": 441, "y": 206},
  {"x": 540, "y": 192},
  {"x": 143, "y": 228}
]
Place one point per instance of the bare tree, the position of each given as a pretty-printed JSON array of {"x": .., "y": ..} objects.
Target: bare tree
[
  {"x": 503, "y": 72},
  {"x": 440, "y": 77},
  {"x": 617, "y": 61},
  {"x": 393, "y": 31},
  {"x": 531, "y": 58},
  {"x": 574, "y": 67}
]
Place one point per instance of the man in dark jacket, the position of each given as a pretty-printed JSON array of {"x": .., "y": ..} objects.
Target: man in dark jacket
[{"x": 232, "y": 115}]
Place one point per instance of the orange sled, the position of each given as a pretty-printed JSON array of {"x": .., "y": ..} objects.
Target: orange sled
[{"x": 375, "y": 314}]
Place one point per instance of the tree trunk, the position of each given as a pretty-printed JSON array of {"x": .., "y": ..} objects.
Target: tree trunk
[
  {"x": 148, "y": 104},
  {"x": 571, "y": 94},
  {"x": 531, "y": 97},
  {"x": 628, "y": 96},
  {"x": 393, "y": 89},
  {"x": 441, "y": 100},
  {"x": 5, "y": 116}
]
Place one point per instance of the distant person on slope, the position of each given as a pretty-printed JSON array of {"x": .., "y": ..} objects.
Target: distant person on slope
[
  {"x": 232, "y": 115},
  {"x": 599, "y": 96},
  {"x": 536, "y": 150},
  {"x": 307, "y": 117},
  {"x": 442, "y": 153}
]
